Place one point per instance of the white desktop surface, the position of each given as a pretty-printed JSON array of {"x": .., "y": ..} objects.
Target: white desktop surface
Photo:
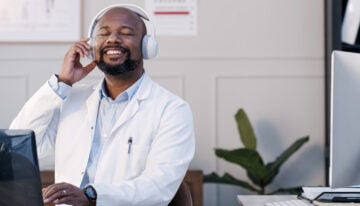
[{"x": 260, "y": 200}]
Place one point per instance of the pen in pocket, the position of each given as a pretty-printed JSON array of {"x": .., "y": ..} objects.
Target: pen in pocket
[{"x": 129, "y": 144}]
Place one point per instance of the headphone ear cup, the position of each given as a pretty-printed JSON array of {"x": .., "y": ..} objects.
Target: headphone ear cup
[
  {"x": 149, "y": 47},
  {"x": 91, "y": 55}
]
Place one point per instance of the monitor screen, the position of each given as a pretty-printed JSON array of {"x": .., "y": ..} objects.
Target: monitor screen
[
  {"x": 20, "y": 182},
  {"x": 345, "y": 120}
]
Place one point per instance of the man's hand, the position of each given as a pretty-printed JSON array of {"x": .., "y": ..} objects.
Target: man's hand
[
  {"x": 64, "y": 193},
  {"x": 72, "y": 70}
]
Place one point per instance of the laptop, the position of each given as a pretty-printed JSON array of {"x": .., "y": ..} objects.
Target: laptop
[{"x": 20, "y": 182}]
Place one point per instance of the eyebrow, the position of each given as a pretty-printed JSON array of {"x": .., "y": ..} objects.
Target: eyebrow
[{"x": 121, "y": 28}]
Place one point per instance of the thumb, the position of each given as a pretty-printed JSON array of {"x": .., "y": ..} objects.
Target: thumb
[{"x": 90, "y": 66}]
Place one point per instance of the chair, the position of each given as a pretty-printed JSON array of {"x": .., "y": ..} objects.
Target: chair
[
  {"x": 182, "y": 196},
  {"x": 194, "y": 180},
  {"x": 190, "y": 191},
  {"x": 47, "y": 178}
]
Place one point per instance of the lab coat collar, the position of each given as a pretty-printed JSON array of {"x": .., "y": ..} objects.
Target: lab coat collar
[
  {"x": 144, "y": 88},
  {"x": 142, "y": 92},
  {"x": 133, "y": 106}
]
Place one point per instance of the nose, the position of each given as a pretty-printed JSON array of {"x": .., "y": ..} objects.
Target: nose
[{"x": 113, "y": 38}]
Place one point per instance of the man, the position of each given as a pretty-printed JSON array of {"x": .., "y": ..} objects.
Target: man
[{"x": 126, "y": 141}]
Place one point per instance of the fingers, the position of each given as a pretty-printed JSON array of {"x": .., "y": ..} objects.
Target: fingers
[
  {"x": 64, "y": 199},
  {"x": 64, "y": 193},
  {"x": 81, "y": 48},
  {"x": 85, "y": 39},
  {"x": 55, "y": 191},
  {"x": 90, "y": 66}
]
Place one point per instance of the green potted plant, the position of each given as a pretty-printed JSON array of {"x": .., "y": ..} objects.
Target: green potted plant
[{"x": 249, "y": 158}]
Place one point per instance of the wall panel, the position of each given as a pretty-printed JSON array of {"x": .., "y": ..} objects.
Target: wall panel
[{"x": 12, "y": 98}]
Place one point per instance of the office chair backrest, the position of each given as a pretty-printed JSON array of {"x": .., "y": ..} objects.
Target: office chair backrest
[{"x": 182, "y": 196}]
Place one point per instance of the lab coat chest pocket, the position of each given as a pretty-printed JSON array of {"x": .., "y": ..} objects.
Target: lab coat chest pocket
[
  {"x": 137, "y": 156},
  {"x": 121, "y": 161},
  {"x": 136, "y": 161}
]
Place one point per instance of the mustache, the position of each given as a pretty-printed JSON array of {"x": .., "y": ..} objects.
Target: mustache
[{"x": 121, "y": 48}]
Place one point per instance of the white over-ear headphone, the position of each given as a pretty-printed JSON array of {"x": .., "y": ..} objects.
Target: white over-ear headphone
[{"x": 149, "y": 43}]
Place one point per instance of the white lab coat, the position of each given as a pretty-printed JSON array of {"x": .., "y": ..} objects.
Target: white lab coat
[{"x": 161, "y": 127}]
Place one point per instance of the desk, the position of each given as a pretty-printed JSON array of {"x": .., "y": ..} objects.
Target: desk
[{"x": 260, "y": 200}]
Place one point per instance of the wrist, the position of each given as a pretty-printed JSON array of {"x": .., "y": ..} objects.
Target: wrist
[
  {"x": 90, "y": 194},
  {"x": 60, "y": 79}
]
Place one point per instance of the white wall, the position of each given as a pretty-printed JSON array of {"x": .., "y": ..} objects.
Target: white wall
[{"x": 264, "y": 56}]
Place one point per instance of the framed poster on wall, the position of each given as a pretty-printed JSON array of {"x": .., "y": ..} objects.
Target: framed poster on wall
[
  {"x": 40, "y": 20},
  {"x": 173, "y": 17}
]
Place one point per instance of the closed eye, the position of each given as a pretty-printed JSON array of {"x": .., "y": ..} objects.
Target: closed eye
[
  {"x": 104, "y": 34},
  {"x": 126, "y": 32}
]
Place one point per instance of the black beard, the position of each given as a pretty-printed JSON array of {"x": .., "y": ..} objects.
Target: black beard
[{"x": 116, "y": 70}]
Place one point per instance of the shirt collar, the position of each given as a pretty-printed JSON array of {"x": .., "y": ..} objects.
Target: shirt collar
[{"x": 126, "y": 95}]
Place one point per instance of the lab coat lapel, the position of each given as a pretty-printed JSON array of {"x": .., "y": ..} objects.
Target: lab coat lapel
[
  {"x": 129, "y": 112},
  {"x": 134, "y": 104},
  {"x": 92, "y": 106}
]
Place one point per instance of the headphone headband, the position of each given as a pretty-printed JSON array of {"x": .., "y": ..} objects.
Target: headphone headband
[{"x": 149, "y": 43}]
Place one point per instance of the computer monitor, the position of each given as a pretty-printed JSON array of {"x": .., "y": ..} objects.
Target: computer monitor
[
  {"x": 345, "y": 120},
  {"x": 20, "y": 182}
]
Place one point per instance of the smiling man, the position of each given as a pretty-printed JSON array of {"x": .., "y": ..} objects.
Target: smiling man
[{"x": 126, "y": 141}]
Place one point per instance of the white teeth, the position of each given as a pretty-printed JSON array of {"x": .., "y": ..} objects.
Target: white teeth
[{"x": 113, "y": 52}]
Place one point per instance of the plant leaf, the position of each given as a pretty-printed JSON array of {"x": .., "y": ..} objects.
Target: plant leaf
[
  {"x": 259, "y": 181},
  {"x": 247, "y": 135},
  {"x": 249, "y": 159},
  {"x": 273, "y": 167},
  {"x": 228, "y": 179}
]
